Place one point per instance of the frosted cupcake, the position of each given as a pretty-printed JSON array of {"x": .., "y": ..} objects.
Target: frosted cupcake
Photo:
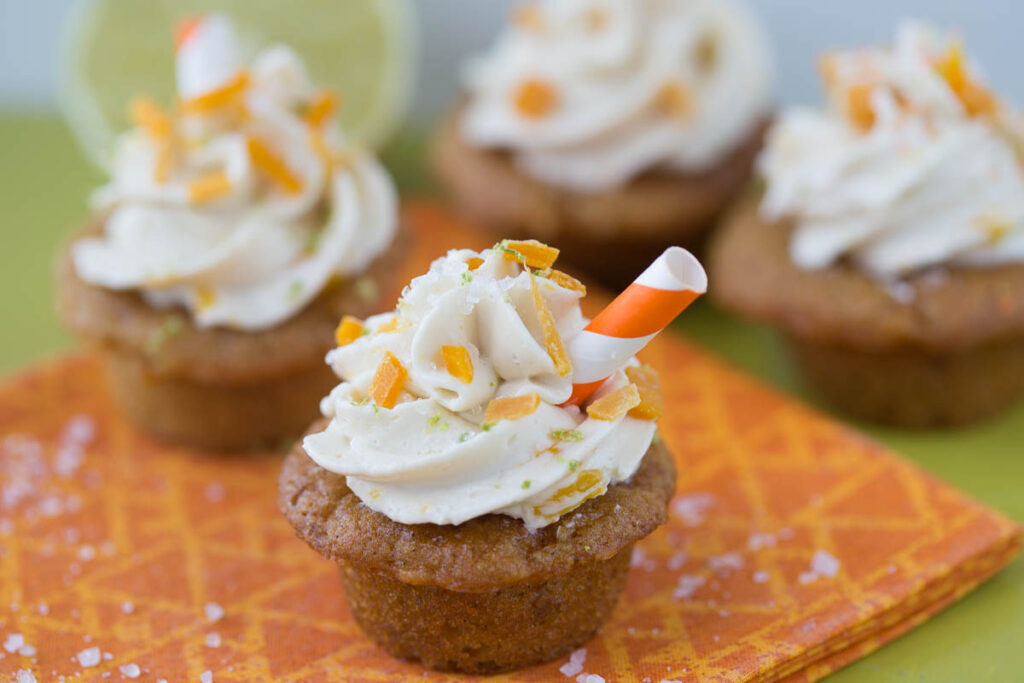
[
  {"x": 234, "y": 231},
  {"x": 464, "y": 477},
  {"x": 611, "y": 129},
  {"x": 889, "y": 244}
]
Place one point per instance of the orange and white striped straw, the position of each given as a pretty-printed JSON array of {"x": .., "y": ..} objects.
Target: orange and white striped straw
[{"x": 671, "y": 283}]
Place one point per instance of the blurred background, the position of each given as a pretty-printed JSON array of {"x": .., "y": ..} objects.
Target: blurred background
[
  {"x": 45, "y": 181},
  {"x": 801, "y": 29}
]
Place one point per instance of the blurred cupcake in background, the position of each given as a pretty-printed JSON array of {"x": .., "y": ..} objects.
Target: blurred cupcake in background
[
  {"x": 612, "y": 128},
  {"x": 889, "y": 243},
  {"x": 235, "y": 230}
]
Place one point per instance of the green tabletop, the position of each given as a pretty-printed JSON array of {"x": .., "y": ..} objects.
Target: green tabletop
[{"x": 44, "y": 184}]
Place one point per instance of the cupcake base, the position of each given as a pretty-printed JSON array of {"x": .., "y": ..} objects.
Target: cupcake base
[
  {"x": 486, "y": 595},
  {"x": 943, "y": 346},
  {"x": 217, "y": 388},
  {"x": 470, "y": 632},
  {"x": 613, "y": 234},
  {"x": 217, "y": 416},
  {"x": 914, "y": 389}
]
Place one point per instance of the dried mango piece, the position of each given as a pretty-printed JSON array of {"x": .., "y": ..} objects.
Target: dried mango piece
[
  {"x": 388, "y": 381},
  {"x": 147, "y": 114},
  {"x": 535, "y": 98},
  {"x": 530, "y": 253},
  {"x": 566, "y": 281},
  {"x": 858, "y": 104},
  {"x": 674, "y": 99},
  {"x": 977, "y": 100},
  {"x": 616, "y": 404},
  {"x": 552, "y": 340},
  {"x": 349, "y": 329},
  {"x": 209, "y": 187},
  {"x": 458, "y": 363},
  {"x": 512, "y": 408},
  {"x": 321, "y": 108},
  {"x": 205, "y": 298},
  {"x": 474, "y": 262},
  {"x": 393, "y": 325},
  {"x": 648, "y": 384},
  {"x": 588, "y": 484},
  {"x": 219, "y": 98},
  {"x": 271, "y": 164}
]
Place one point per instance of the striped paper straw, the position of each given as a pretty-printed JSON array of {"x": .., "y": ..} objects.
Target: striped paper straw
[
  {"x": 205, "y": 54},
  {"x": 670, "y": 284}
]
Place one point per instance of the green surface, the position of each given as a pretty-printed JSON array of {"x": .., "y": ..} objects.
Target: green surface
[{"x": 44, "y": 183}]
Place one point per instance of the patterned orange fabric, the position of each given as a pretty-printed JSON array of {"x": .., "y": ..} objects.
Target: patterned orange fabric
[{"x": 795, "y": 545}]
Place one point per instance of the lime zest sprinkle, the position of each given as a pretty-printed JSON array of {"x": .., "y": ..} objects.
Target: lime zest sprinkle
[
  {"x": 295, "y": 290},
  {"x": 171, "y": 326},
  {"x": 574, "y": 465},
  {"x": 467, "y": 277},
  {"x": 486, "y": 426},
  {"x": 439, "y": 422},
  {"x": 526, "y": 484},
  {"x": 464, "y": 437},
  {"x": 566, "y": 435}
]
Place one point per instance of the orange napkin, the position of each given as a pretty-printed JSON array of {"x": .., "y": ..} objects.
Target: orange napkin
[{"x": 795, "y": 545}]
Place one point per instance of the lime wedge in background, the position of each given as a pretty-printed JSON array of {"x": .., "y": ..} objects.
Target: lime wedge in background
[{"x": 113, "y": 50}]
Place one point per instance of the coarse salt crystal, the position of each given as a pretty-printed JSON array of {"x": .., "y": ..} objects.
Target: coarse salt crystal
[
  {"x": 579, "y": 655},
  {"x": 589, "y": 678},
  {"x": 24, "y": 676},
  {"x": 692, "y": 508},
  {"x": 107, "y": 656},
  {"x": 206, "y": 677},
  {"x": 89, "y": 657},
  {"x": 687, "y": 586},
  {"x": 27, "y": 651},
  {"x": 131, "y": 670},
  {"x": 761, "y": 576},
  {"x": 212, "y": 640},
  {"x": 127, "y": 607},
  {"x": 570, "y": 669},
  {"x": 14, "y": 642},
  {"x": 214, "y": 612},
  {"x": 726, "y": 561}
]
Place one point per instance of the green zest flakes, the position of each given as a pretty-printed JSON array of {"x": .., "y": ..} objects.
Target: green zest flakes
[
  {"x": 464, "y": 437},
  {"x": 439, "y": 422},
  {"x": 526, "y": 484},
  {"x": 566, "y": 435},
  {"x": 467, "y": 278},
  {"x": 574, "y": 465},
  {"x": 295, "y": 290},
  {"x": 171, "y": 326},
  {"x": 486, "y": 426}
]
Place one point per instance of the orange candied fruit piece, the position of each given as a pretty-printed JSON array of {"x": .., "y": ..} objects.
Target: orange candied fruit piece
[
  {"x": 209, "y": 187},
  {"x": 349, "y": 329},
  {"x": 535, "y": 98},
  {"x": 674, "y": 99},
  {"x": 148, "y": 115},
  {"x": 218, "y": 98},
  {"x": 529, "y": 17},
  {"x": 388, "y": 381},
  {"x": 976, "y": 99},
  {"x": 393, "y": 325},
  {"x": 616, "y": 404},
  {"x": 474, "y": 262},
  {"x": 858, "y": 103},
  {"x": 530, "y": 253},
  {"x": 566, "y": 281},
  {"x": 651, "y": 406},
  {"x": 512, "y": 408},
  {"x": 458, "y": 363},
  {"x": 271, "y": 164},
  {"x": 205, "y": 298},
  {"x": 321, "y": 108},
  {"x": 552, "y": 340},
  {"x": 185, "y": 28}
]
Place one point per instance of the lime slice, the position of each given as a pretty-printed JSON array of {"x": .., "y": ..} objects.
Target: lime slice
[{"x": 114, "y": 50}]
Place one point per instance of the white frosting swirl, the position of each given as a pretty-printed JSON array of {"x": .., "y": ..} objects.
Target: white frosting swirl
[
  {"x": 912, "y": 164},
  {"x": 258, "y": 249},
  {"x": 431, "y": 458},
  {"x": 627, "y": 86}
]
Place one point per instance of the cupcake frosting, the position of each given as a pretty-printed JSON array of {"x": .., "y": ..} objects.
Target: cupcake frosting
[
  {"x": 588, "y": 94},
  {"x": 468, "y": 338},
  {"x": 912, "y": 163},
  {"x": 244, "y": 202}
]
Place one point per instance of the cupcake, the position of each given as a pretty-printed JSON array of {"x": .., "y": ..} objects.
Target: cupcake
[
  {"x": 235, "y": 230},
  {"x": 610, "y": 129},
  {"x": 888, "y": 245},
  {"x": 457, "y": 483}
]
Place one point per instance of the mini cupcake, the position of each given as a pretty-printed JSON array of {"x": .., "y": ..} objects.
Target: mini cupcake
[
  {"x": 235, "y": 230},
  {"x": 889, "y": 244},
  {"x": 611, "y": 129},
  {"x": 456, "y": 484}
]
